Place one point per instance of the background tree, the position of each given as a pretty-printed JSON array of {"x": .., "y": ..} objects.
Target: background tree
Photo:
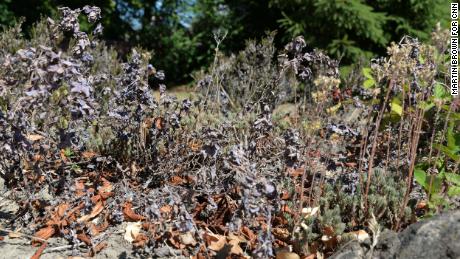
[
  {"x": 180, "y": 32},
  {"x": 351, "y": 29}
]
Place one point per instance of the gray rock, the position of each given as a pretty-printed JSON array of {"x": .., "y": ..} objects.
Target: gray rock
[
  {"x": 438, "y": 237},
  {"x": 388, "y": 245},
  {"x": 351, "y": 250}
]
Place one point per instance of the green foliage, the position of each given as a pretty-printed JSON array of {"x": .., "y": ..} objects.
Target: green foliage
[
  {"x": 6, "y": 16},
  {"x": 9, "y": 40},
  {"x": 437, "y": 186},
  {"x": 370, "y": 81},
  {"x": 434, "y": 187},
  {"x": 337, "y": 207},
  {"x": 354, "y": 29},
  {"x": 452, "y": 149}
]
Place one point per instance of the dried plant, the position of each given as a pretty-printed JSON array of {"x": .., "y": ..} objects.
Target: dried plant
[{"x": 85, "y": 144}]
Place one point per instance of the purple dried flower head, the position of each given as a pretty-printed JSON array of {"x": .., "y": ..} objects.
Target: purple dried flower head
[
  {"x": 305, "y": 74},
  {"x": 160, "y": 75},
  {"x": 307, "y": 65},
  {"x": 93, "y": 13},
  {"x": 263, "y": 125},
  {"x": 117, "y": 216},
  {"x": 174, "y": 120},
  {"x": 264, "y": 245},
  {"x": 98, "y": 30},
  {"x": 211, "y": 150},
  {"x": 292, "y": 141},
  {"x": 186, "y": 105},
  {"x": 237, "y": 155},
  {"x": 205, "y": 82},
  {"x": 151, "y": 70},
  {"x": 27, "y": 54},
  {"x": 69, "y": 21},
  {"x": 82, "y": 43},
  {"x": 87, "y": 58},
  {"x": 341, "y": 129},
  {"x": 81, "y": 86},
  {"x": 162, "y": 89},
  {"x": 297, "y": 45},
  {"x": 270, "y": 190}
]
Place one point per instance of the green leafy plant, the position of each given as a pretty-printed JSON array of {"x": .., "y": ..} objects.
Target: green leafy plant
[
  {"x": 452, "y": 148},
  {"x": 370, "y": 81},
  {"x": 437, "y": 186}
]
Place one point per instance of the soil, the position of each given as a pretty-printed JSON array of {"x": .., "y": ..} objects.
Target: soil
[
  {"x": 19, "y": 246},
  {"x": 58, "y": 248}
]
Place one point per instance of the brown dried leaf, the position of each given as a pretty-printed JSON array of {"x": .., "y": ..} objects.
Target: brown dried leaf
[
  {"x": 217, "y": 242},
  {"x": 34, "y": 137},
  {"x": 281, "y": 233},
  {"x": 198, "y": 256},
  {"x": 421, "y": 205},
  {"x": 235, "y": 241},
  {"x": 37, "y": 158},
  {"x": 279, "y": 220},
  {"x": 187, "y": 239},
  {"x": 96, "y": 229},
  {"x": 96, "y": 210},
  {"x": 328, "y": 231},
  {"x": 174, "y": 240},
  {"x": 285, "y": 208},
  {"x": 71, "y": 215},
  {"x": 44, "y": 233},
  {"x": 130, "y": 214},
  {"x": 88, "y": 154},
  {"x": 95, "y": 198},
  {"x": 249, "y": 234},
  {"x": 195, "y": 145},
  {"x": 166, "y": 209},
  {"x": 14, "y": 235},
  {"x": 176, "y": 180},
  {"x": 140, "y": 240},
  {"x": 159, "y": 123},
  {"x": 84, "y": 238},
  {"x": 39, "y": 252},
  {"x": 351, "y": 164},
  {"x": 285, "y": 195},
  {"x": 287, "y": 255},
  {"x": 106, "y": 186},
  {"x": 61, "y": 209},
  {"x": 98, "y": 248},
  {"x": 80, "y": 187},
  {"x": 295, "y": 172}
]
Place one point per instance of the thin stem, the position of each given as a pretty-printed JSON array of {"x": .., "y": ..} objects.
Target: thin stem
[{"x": 374, "y": 142}]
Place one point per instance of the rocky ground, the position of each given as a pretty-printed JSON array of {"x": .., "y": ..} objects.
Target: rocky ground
[{"x": 434, "y": 238}]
